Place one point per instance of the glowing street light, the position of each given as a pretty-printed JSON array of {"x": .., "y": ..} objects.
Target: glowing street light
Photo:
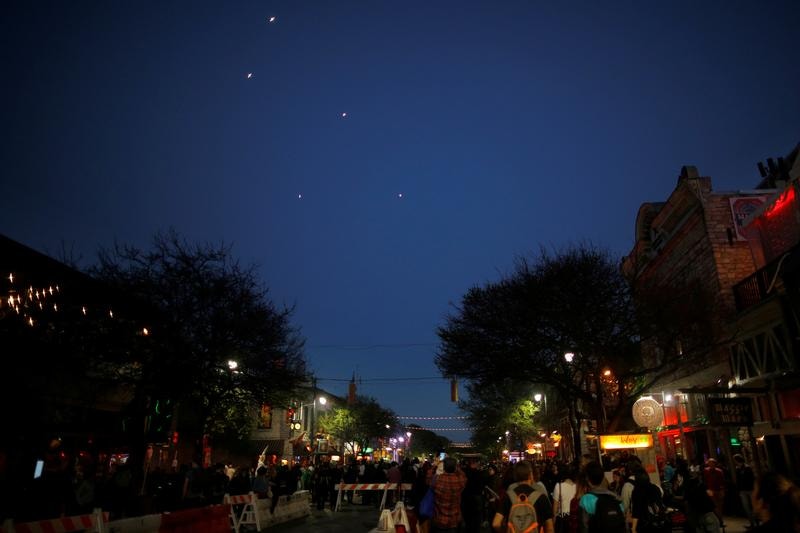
[{"x": 569, "y": 356}]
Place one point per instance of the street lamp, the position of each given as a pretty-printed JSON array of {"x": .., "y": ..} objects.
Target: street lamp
[
  {"x": 322, "y": 401},
  {"x": 538, "y": 397},
  {"x": 569, "y": 356}
]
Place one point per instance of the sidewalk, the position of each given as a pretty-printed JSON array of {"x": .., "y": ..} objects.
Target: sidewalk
[{"x": 736, "y": 524}]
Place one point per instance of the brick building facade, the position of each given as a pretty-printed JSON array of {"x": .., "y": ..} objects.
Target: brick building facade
[{"x": 696, "y": 235}]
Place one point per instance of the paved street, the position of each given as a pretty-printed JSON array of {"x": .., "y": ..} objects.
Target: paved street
[
  {"x": 351, "y": 519},
  {"x": 361, "y": 519}
]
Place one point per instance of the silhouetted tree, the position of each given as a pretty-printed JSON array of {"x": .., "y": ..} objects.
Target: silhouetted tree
[
  {"x": 517, "y": 330},
  {"x": 215, "y": 345}
]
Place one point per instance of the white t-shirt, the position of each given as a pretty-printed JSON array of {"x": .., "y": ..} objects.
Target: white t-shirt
[{"x": 563, "y": 494}]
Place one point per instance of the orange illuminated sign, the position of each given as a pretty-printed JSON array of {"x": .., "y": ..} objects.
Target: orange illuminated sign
[{"x": 617, "y": 442}]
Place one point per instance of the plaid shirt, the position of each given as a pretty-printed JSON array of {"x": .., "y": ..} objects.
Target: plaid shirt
[{"x": 447, "y": 498}]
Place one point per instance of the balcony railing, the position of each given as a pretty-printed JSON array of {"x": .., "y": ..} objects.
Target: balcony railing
[{"x": 752, "y": 290}]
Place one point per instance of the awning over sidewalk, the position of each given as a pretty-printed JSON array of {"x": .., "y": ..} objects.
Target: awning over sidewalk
[{"x": 268, "y": 447}]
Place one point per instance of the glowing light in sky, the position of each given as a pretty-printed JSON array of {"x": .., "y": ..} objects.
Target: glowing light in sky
[
  {"x": 299, "y": 196},
  {"x": 399, "y": 195},
  {"x": 344, "y": 115},
  {"x": 249, "y": 75},
  {"x": 272, "y": 19}
]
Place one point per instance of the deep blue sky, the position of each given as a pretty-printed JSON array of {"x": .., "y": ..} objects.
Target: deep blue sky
[{"x": 504, "y": 125}]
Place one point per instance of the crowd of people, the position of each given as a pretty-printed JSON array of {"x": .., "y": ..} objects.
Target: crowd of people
[
  {"x": 550, "y": 496},
  {"x": 585, "y": 497}
]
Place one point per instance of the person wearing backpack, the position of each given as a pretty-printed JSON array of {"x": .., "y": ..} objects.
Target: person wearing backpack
[
  {"x": 526, "y": 509},
  {"x": 600, "y": 510}
]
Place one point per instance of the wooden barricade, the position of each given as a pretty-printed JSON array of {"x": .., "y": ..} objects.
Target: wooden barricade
[
  {"x": 248, "y": 514},
  {"x": 385, "y": 487}
]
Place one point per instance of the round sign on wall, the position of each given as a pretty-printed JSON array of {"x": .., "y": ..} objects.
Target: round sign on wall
[{"x": 648, "y": 413}]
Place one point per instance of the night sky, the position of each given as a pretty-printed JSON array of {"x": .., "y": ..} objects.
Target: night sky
[{"x": 377, "y": 158}]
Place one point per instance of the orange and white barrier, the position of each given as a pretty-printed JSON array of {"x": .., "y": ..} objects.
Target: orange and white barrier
[
  {"x": 256, "y": 511},
  {"x": 210, "y": 519},
  {"x": 248, "y": 514},
  {"x": 92, "y": 523},
  {"x": 385, "y": 487}
]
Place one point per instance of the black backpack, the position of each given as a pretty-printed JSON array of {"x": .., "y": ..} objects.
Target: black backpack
[{"x": 608, "y": 516}]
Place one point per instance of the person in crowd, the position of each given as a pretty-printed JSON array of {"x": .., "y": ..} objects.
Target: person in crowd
[
  {"x": 279, "y": 483},
  {"x": 493, "y": 491},
  {"x": 648, "y": 512},
  {"x": 617, "y": 481},
  {"x": 776, "y": 502},
  {"x": 714, "y": 480},
  {"x": 563, "y": 492},
  {"x": 549, "y": 477},
  {"x": 581, "y": 488},
  {"x": 525, "y": 486},
  {"x": 700, "y": 514},
  {"x": 193, "y": 485},
  {"x": 394, "y": 476},
  {"x": 337, "y": 472},
  {"x": 241, "y": 482},
  {"x": 472, "y": 496},
  {"x": 261, "y": 483},
  {"x": 322, "y": 483},
  {"x": 680, "y": 480},
  {"x": 350, "y": 477},
  {"x": 537, "y": 482},
  {"x": 84, "y": 489},
  {"x": 669, "y": 470},
  {"x": 294, "y": 479},
  {"x": 632, "y": 466},
  {"x": 409, "y": 470},
  {"x": 370, "y": 475},
  {"x": 745, "y": 481},
  {"x": 450, "y": 483},
  {"x": 218, "y": 484},
  {"x": 600, "y": 509},
  {"x": 307, "y": 473}
]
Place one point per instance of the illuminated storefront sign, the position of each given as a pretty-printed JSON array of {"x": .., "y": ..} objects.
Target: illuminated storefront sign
[{"x": 617, "y": 442}]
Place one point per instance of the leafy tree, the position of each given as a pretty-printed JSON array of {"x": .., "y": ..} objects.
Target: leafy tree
[
  {"x": 359, "y": 424},
  {"x": 215, "y": 341},
  {"x": 507, "y": 335},
  {"x": 425, "y": 443},
  {"x": 495, "y": 408}
]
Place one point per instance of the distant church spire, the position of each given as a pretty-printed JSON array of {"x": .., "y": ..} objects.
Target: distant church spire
[{"x": 351, "y": 390}]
